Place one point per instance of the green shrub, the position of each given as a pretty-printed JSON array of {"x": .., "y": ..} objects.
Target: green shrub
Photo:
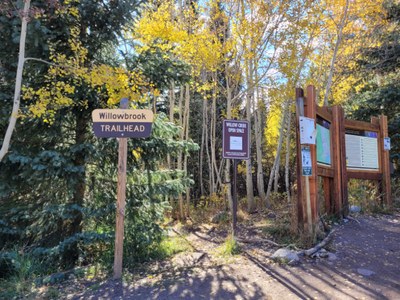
[{"x": 230, "y": 247}]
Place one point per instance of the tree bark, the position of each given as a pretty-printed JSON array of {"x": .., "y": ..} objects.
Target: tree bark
[
  {"x": 217, "y": 177},
  {"x": 180, "y": 160},
  {"x": 74, "y": 225},
  {"x": 186, "y": 130},
  {"x": 171, "y": 113},
  {"x": 209, "y": 161},
  {"x": 201, "y": 158},
  {"x": 277, "y": 158},
  {"x": 258, "y": 125},
  {"x": 18, "y": 81},
  {"x": 338, "y": 42},
  {"x": 251, "y": 205},
  {"x": 228, "y": 184}
]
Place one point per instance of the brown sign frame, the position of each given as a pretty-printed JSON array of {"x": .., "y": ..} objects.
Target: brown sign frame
[{"x": 239, "y": 130}]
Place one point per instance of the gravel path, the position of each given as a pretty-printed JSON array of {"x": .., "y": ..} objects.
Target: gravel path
[{"x": 364, "y": 263}]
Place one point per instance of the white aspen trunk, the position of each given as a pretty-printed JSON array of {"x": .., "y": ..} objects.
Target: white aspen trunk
[
  {"x": 278, "y": 163},
  {"x": 228, "y": 186},
  {"x": 203, "y": 133},
  {"x": 171, "y": 114},
  {"x": 218, "y": 180},
  {"x": 258, "y": 124},
  {"x": 251, "y": 205},
  {"x": 210, "y": 168},
  {"x": 338, "y": 42},
  {"x": 18, "y": 82},
  {"x": 277, "y": 158},
  {"x": 212, "y": 136},
  {"x": 179, "y": 163},
  {"x": 186, "y": 124}
]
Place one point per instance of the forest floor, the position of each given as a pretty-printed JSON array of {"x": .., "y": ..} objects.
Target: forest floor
[{"x": 362, "y": 262}]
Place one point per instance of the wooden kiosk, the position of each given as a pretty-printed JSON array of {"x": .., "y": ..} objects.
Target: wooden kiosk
[{"x": 343, "y": 149}]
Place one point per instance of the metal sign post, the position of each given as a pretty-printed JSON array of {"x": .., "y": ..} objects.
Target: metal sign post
[
  {"x": 235, "y": 146},
  {"x": 234, "y": 198}
]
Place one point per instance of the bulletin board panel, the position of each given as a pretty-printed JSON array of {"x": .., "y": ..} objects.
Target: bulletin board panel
[{"x": 343, "y": 149}]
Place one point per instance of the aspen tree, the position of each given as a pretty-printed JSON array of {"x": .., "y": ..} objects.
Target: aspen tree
[{"x": 18, "y": 81}]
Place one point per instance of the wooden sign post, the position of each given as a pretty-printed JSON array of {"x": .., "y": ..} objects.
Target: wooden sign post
[
  {"x": 121, "y": 123},
  {"x": 121, "y": 197}
]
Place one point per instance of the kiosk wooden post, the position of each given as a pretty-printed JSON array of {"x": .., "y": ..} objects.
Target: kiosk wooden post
[
  {"x": 310, "y": 111},
  {"x": 385, "y": 159},
  {"x": 339, "y": 171},
  {"x": 307, "y": 207},
  {"x": 300, "y": 179}
]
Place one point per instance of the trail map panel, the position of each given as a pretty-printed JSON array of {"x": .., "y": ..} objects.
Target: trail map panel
[
  {"x": 323, "y": 142},
  {"x": 235, "y": 139},
  {"x": 132, "y": 123},
  {"x": 362, "y": 149}
]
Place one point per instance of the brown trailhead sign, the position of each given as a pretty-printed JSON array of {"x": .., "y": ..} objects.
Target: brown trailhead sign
[
  {"x": 235, "y": 140},
  {"x": 122, "y": 123}
]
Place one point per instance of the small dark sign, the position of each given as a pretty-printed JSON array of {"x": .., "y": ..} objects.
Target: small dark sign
[
  {"x": 236, "y": 139},
  {"x": 306, "y": 163},
  {"x": 128, "y": 123}
]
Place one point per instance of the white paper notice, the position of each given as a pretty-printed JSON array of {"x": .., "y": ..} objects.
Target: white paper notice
[
  {"x": 307, "y": 130},
  {"x": 361, "y": 152},
  {"x": 236, "y": 143}
]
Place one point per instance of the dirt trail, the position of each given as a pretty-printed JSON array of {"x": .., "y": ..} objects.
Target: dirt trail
[{"x": 364, "y": 264}]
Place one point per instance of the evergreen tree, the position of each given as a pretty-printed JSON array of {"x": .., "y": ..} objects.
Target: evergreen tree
[{"x": 58, "y": 182}]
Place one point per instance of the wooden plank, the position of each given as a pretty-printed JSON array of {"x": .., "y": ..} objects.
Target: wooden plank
[
  {"x": 324, "y": 171},
  {"x": 311, "y": 112},
  {"x": 366, "y": 175},
  {"x": 324, "y": 113},
  {"x": 375, "y": 121},
  {"x": 300, "y": 179},
  {"x": 385, "y": 162},
  {"x": 343, "y": 164},
  {"x": 327, "y": 184},
  {"x": 352, "y": 124},
  {"x": 336, "y": 161}
]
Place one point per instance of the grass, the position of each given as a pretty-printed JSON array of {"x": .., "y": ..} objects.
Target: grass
[
  {"x": 281, "y": 233},
  {"x": 229, "y": 248},
  {"x": 171, "y": 246},
  {"x": 24, "y": 269}
]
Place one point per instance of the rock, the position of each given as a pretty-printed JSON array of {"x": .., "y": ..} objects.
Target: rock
[
  {"x": 271, "y": 215},
  {"x": 355, "y": 209},
  {"x": 365, "y": 272},
  {"x": 323, "y": 253},
  {"x": 285, "y": 256},
  {"x": 332, "y": 256}
]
